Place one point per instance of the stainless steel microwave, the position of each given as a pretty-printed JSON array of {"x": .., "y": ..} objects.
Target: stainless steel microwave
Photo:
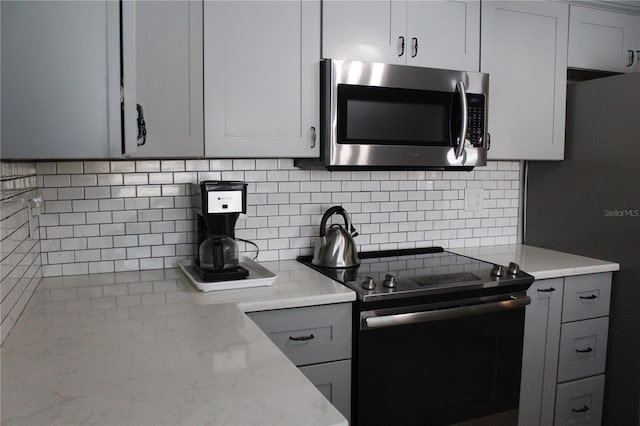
[{"x": 382, "y": 116}]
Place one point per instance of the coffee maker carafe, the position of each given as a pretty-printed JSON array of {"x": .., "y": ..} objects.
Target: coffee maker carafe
[{"x": 218, "y": 205}]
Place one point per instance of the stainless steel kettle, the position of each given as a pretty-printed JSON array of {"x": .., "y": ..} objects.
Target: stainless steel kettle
[{"x": 335, "y": 247}]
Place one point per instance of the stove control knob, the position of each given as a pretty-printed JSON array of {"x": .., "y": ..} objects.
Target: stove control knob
[
  {"x": 498, "y": 270},
  {"x": 369, "y": 283},
  {"x": 513, "y": 268},
  {"x": 390, "y": 281}
]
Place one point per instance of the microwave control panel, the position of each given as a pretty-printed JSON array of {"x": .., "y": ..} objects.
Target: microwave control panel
[{"x": 475, "y": 123}]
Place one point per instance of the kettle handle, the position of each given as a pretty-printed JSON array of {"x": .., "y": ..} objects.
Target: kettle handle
[{"x": 335, "y": 210}]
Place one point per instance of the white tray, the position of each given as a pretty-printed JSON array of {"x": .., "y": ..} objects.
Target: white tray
[{"x": 259, "y": 276}]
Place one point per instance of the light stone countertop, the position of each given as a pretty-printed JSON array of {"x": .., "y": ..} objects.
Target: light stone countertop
[
  {"x": 147, "y": 348},
  {"x": 539, "y": 262}
]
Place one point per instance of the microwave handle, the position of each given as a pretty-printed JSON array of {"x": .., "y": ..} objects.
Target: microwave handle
[{"x": 459, "y": 149}]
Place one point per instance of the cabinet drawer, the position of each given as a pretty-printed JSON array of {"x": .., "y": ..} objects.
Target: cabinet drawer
[
  {"x": 586, "y": 296},
  {"x": 309, "y": 335},
  {"x": 583, "y": 349},
  {"x": 580, "y": 402},
  {"x": 333, "y": 380}
]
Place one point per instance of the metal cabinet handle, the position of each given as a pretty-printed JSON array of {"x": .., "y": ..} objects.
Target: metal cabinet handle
[
  {"x": 142, "y": 126},
  {"x": 631, "y": 57},
  {"x": 415, "y": 47},
  {"x": 302, "y": 338},
  {"x": 590, "y": 297},
  {"x": 401, "y": 38},
  {"x": 580, "y": 410},
  {"x": 585, "y": 351},
  {"x": 313, "y": 137},
  {"x": 546, "y": 290}
]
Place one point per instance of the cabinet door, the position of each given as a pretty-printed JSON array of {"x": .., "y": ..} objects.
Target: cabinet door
[
  {"x": 333, "y": 380},
  {"x": 166, "y": 38},
  {"x": 540, "y": 353},
  {"x": 524, "y": 49},
  {"x": 261, "y": 63},
  {"x": 371, "y": 31},
  {"x": 603, "y": 40},
  {"x": 444, "y": 34},
  {"x": 60, "y": 79}
]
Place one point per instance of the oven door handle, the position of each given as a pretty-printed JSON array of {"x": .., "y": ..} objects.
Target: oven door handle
[{"x": 375, "y": 321}]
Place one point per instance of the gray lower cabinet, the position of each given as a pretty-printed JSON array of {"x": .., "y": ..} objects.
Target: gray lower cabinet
[
  {"x": 317, "y": 339},
  {"x": 333, "y": 379},
  {"x": 564, "y": 351}
]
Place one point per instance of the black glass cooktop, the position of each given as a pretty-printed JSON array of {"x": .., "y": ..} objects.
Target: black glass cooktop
[{"x": 418, "y": 272}]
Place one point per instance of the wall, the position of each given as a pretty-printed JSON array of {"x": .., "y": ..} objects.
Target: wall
[
  {"x": 103, "y": 216},
  {"x": 20, "y": 269}
]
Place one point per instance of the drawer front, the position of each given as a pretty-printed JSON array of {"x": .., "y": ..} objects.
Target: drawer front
[
  {"x": 333, "y": 380},
  {"x": 586, "y": 296},
  {"x": 309, "y": 335},
  {"x": 583, "y": 349},
  {"x": 580, "y": 402}
]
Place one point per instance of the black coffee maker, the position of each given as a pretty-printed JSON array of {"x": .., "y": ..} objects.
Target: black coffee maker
[{"x": 218, "y": 205}]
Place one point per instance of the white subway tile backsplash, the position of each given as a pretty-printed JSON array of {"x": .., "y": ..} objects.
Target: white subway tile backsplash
[
  {"x": 148, "y": 166},
  {"x": 139, "y": 252},
  {"x": 125, "y": 241},
  {"x": 150, "y": 239},
  {"x": 110, "y": 179},
  {"x": 144, "y": 208},
  {"x": 84, "y": 180},
  {"x": 60, "y": 232},
  {"x": 82, "y": 205},
  {"x": 97, "y": 192},
  {"x": 123, "y": 166},
  {"x": 172, "y": 165},
  {"x": 123, "y": 191},
  {"x": 99, "y": 217},
  {"x": 137, "y": 228},
  {"x": 87, "y": 255},
  {"x": 72, "y": 219},
  {"x": 112, "y": 229},
  {"x": 95, "y": 166}
]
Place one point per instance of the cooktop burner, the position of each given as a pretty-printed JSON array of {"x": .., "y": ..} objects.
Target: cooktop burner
[{"x": 398, "y": 274}]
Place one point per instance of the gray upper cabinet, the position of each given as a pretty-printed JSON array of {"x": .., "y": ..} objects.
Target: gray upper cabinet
[
  {"x": 436, "y": 34},
  {"x": 60, "y": 79},
  {"x": 603, "y": 40},
  {"x": 262, "y": 78},
  {"x": 524, "y": 50},
  {"x": 162, "y": 51}
]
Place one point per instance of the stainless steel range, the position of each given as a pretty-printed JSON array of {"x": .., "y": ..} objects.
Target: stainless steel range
[{"x": 437, "y": 337}]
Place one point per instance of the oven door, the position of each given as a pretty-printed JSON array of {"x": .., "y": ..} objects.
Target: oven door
[{"x": 441, "y": 364}]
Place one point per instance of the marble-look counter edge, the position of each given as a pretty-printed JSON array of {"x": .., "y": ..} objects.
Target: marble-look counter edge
[
  {"x": 540, "y": 262},
  {"x": 167, "y": 306}
]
